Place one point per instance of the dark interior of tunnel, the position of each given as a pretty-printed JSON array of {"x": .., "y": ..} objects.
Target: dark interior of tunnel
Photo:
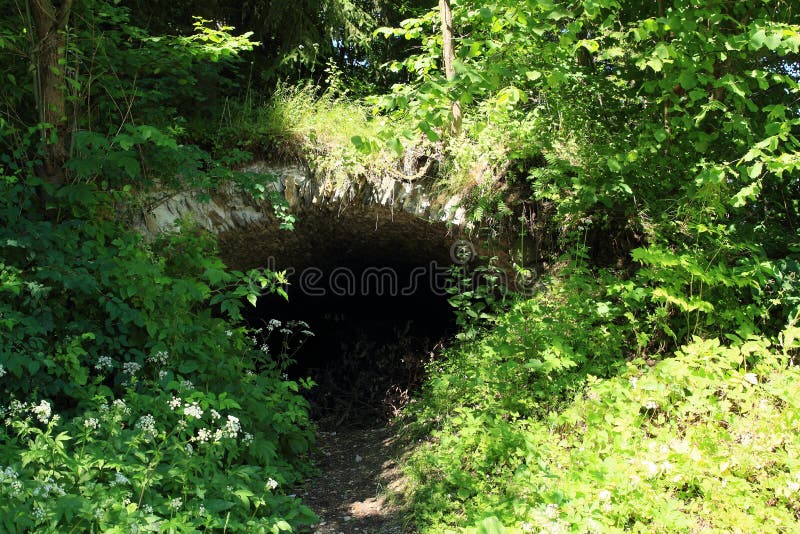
[
  {"x": 371, "y": 339},
  {"x": 376, "y": 304}
]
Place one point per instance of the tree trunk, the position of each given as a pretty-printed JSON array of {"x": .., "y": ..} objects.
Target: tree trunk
[
  {"x": 448, "y": 56},
  {"x": 49, "y": 41}
]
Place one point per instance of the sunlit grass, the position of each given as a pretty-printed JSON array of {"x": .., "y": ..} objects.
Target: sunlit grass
[{"x": 295, "y": 122}]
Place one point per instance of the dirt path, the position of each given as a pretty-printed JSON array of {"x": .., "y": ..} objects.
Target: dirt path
[{"x": 357, "y": 490}]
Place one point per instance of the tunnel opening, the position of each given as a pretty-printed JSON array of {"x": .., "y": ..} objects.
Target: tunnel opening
[
  {"x": 369, "y": 346},
  {"x": 367, "y": 310}
]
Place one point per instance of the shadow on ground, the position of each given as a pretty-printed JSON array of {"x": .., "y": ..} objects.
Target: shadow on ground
[{"x": 359, "y": 485}]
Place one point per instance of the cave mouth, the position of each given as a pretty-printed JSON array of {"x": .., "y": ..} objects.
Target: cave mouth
[
  {"x": 375, "y": 297},
  {"x": 374, "y": 327}
]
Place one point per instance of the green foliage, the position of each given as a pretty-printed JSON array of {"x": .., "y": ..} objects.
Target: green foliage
[
  {"x": 318, "y": 128},
  {"x": 132, "y": 399},
  {"x": 657, "y": 395},
  {"x": 477, "y": 296},
  {"x": 540, "y": 426},
  {"x": 647, "y": 130},
  {"x": 132, "y": 76},
  {"x": 300, "y": 121}
]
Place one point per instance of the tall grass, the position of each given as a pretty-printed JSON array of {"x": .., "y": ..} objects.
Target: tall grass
[{"x": 294, "y": 122}]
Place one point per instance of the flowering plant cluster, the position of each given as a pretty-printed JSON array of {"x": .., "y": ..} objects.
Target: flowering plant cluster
[
  {"x": 280, "y": 341},
  {"x": 147, "y": 462},
  {"x": 144, "y": 411}
]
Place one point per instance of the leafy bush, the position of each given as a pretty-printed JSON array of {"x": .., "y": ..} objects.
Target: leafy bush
[
  {"x": 543, "y": 425},
  {"x": 132, "y": 398}
]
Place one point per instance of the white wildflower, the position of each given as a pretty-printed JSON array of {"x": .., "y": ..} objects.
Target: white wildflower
[
  {"x": 147, "y": 509},
  {"x": 159, "y": 358},
  {"x": 193, "y": 410},
  {"x": 203, "y": 435},
  {"x": 793, "y": 487},
  {"x": 187, "y": 384},
  {"x": 175, "y": 403},
  {"x": 593, "y": 527},
  {"x": 120, "y": 405},
  {"x": 232, "y": 427},
  {"x": 551, "y": 511},
  {"x": 43, "y": 411},
  {"x": 147, "y": 424},
  {"x": 104, "y": 363},
  {"x": 189, "y": 449},
  {"x": 2, "y": 371},
  {"x": 9, "y": 473},
  {"x": 215, "y": 414},
  {"x": 120, "y": 479},
  {"x": 652, "y": 468},
  {"x": 91, "y": 423},
  {"x": 228, "y": 333},
  {"x": 272, "y": 484},
  {"x": 162, "y": 374},
  {"x": 307, "y": 333},
  {"x": 651, "y": 405},
  {"x": 131, "y": 368},
  {"x": 201, "y": 510},
  {"x": 273, "y": 323},
  {"x": 176, "y": 503},
  {"x": 680, "y": 446},
  {"x": 633, "y": 381},
  {"x": 285, "y": 331},
  {"x": 604, "y": 495},
  {"x": 48, "y": 488},
  {"x": 248, "y": 438}
]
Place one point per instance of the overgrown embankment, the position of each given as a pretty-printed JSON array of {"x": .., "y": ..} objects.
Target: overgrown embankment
[{"x": 543, "y": 424}]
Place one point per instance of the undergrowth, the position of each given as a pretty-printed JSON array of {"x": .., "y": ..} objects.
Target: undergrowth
[
  {"x": 131, "y": 399},
  {"x": 559, "y": 420}
]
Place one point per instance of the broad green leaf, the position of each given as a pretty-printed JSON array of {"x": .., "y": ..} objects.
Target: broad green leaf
[
  {"x": 655, "y": 64},
  {"x": 491, "y": 525},
  {"x": 758, "y": 38},
  {"x": 755, "y": 170},
  {"x": 774, "y": 39}
]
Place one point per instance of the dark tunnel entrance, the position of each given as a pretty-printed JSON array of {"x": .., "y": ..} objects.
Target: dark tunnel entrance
[{"x": 375, "y": 299}]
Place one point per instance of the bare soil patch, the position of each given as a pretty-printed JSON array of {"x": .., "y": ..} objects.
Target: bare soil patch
[{"x": 359, "y": 488}]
